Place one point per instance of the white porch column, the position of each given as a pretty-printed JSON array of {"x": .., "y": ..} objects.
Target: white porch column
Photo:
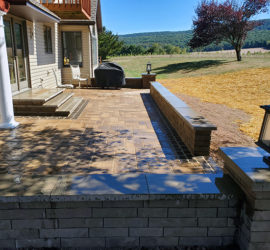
[{"x": 7, "y": 120}]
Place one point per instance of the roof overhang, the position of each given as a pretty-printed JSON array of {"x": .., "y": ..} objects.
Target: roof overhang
[
  {"x": 33, "y": 11},
  {"x": 76, "y": 22}
]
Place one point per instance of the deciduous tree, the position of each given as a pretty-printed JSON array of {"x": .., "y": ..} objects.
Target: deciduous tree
[{"x": 226, "y": 21}]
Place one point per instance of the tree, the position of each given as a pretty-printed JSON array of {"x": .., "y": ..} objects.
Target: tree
[
  {"x": 176, "y": 50},
  {"x": 132, "y": 50},
  {"x": 156, "y": 49},
  {"x": 139, "y": 50},
  {"x": 228, "y": 21},
  {"x": 169, "y": 49},
  {"x": 109, "y": 44}
]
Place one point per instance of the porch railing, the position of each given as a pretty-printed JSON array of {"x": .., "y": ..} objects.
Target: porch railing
[{"x": 69, "y": 5}]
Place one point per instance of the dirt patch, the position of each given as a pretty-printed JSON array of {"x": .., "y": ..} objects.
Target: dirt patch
[{"x": 227, "y": 121}]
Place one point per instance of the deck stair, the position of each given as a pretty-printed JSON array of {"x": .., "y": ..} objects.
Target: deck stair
[{"x": 46, "y": 102}]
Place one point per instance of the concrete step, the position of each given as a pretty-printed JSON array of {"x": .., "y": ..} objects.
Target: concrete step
[
  {"x": 69, "y": 106},
  {"x": 36, "y": 96},
  {"x": 59, "y": 100},
  {"x": 34, "y": 110},
  {"x": 47, "y": 108}
]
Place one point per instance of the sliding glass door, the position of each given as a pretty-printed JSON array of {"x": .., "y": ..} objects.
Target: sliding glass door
[{"x": 16, "y": 50}]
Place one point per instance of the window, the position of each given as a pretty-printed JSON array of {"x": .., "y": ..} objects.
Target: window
[
  {"x": 72, "y": 48},
  {"x": 48, "y": 39}
]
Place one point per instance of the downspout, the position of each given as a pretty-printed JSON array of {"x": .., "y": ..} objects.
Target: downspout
[
  {"x": 91, "y": 48},
  {"x": 7, "y": 120}
]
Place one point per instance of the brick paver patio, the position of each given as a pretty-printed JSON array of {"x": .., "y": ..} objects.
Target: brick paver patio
[{"x": 119, "y": 131}]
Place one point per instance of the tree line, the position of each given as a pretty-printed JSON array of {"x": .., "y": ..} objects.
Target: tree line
[
  {"x": 259, "y": 37},
  {"x": 154, "y": 49}
]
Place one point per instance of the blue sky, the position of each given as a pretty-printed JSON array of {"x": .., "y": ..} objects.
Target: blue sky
[{"x": 135, "y": 16}]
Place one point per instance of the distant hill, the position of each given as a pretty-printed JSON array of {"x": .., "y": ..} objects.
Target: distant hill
[
  {"x": 176, "y": 38},
  {"x": 265, "y": 25},
  {"x": 259, "y": 37}
]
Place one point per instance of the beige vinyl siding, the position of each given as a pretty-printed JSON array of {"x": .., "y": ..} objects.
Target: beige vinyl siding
[
  {"x": 86, "y": 52},
  {"x": 41, "y": 63}
]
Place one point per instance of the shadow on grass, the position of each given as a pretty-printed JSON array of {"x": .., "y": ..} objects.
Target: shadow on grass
[{"x": 188, "y": 66}]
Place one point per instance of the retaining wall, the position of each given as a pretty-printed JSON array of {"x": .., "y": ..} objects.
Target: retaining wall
[
  {"x": 192, "y": 128},
  {"x": 131, "y": 82},
  {"x": 208, "y": 220},
  {"x": 247, "y": 169},
  {"x": 134, "y": 82}
]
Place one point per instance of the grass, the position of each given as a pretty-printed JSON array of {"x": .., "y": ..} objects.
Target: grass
[
  {"x": 189, "y": 65},
  {"x": 214, "y": 77}
]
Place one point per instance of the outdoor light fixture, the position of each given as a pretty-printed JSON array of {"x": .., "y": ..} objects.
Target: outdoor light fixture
[
  {"x": 148, "y": 68},
  {"x": 264, "y": 139}
]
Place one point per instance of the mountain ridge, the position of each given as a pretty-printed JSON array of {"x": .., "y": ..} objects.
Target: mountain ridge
[{"x": 259, "y": 37}]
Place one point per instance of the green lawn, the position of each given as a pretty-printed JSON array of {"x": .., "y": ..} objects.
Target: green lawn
[{"x": 189, "y": 65}]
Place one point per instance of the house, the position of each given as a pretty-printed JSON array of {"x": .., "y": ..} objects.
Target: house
[{"x": 45, "y": 36}]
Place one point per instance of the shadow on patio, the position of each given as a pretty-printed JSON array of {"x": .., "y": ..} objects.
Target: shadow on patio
[{"x": 118, "y": 133}]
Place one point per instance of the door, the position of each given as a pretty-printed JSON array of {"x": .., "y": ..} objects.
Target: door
[
  {"x": 11, "y": 57},
  {"x": 17, "y": 59}
]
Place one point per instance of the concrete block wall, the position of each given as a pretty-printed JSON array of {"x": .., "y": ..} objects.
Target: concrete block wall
[
  {"x": 131, "y": 82},
  {"x": 254, "y": 231},
  {"x": 134, "y": 83},
  {"x": 131, "y": 223},
  {"x": 251, "y": 174}
]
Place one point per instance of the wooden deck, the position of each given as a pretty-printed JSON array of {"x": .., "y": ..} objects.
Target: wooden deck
[{"x": 67, "y": 9}]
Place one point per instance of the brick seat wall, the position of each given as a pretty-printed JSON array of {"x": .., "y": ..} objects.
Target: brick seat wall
[
  {"x": 207, "y": 220},
  {"x": 193, "y": 129},
  {"x": 247, "y": 169},
  {"x": 131, "y": 82}
]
